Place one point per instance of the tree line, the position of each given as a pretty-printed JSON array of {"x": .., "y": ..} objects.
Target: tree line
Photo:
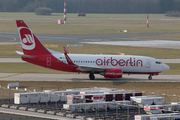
[{"x": 93, "y": 6}]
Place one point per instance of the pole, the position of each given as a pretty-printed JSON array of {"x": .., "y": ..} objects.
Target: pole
[
  {"x": 2, "y": 95},
  {"x": 9, "y": 95},
  {"x": 64, "y": 11},
  {"x": 54, "y": 16},
  {"x": 127, "y": 112},
  {"x": 147, "y": 21}
]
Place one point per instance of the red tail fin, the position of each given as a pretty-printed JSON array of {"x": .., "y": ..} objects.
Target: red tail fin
[{"x": 30, "y": 43}]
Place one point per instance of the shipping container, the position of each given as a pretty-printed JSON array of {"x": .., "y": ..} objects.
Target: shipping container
[
  {"x": 147, "y": 100},
  {"x": 108, "y": 97},
  {"x": 162, "y": 118},
  {"x": 87, "y": 107},
  {"x": 118, "y": 97},
  {"x": 113, "y": 106},
  {"x": 159, "y": 100},
  {"x": 88, "y": 98},
  {"x": 63, "y": 95},
  {"x": 55, "y": 96},
  {"x": 98, "y": 98},
  {"x": 144, "y": 100},
  {"x": 137, "y": 94},
  {"x": 73, "y": 99},
  {"x": 142, "y": 117},
  {"x": 44, "y": 97},
  {"x": 34, "y": 97},
  {"x": 125, "y": 104},
  {"x": 91, "y": 92},
  {"x": 170, "y": 107},
  {"x": 99, "y": 106},
  {"x": 72, "y": 107},
  {"x": 147, "y": 117},
  {"x": 154, "y": 109},
  {"x": 175, "y": 102},
  {"x": 21, "y": 98},
  {"x": 127, "y": 96}
]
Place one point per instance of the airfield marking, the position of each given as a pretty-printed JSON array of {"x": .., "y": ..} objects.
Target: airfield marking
[
  {"x": 14, "y": 39},
  {"x": 11, "y": 75}
]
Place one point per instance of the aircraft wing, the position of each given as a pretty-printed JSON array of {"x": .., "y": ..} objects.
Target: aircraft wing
[{"x": 90, "y": 68}]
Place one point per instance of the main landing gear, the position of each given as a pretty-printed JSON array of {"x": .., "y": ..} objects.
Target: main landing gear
[
  {"x": 91, "y": 76},
  {"x": 150, "y": 77}
]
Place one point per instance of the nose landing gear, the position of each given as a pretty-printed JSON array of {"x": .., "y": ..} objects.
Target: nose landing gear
[{"x": 91, "y": 76}]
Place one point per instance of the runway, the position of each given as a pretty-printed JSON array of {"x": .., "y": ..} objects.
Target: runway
[
  {"x": 108, "y": 39},
  {"x": 85, "y": 78}
]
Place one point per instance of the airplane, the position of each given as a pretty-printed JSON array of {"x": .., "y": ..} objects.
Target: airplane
[{"x": 110, "y": 66}]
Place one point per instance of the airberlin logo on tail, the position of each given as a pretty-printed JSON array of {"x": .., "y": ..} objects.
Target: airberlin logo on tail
[{"x": 27, "y": 38}]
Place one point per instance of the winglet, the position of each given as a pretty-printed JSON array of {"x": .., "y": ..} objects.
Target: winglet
[
  {"x": 65, "y": 51},
  {"x": 68, "y": 58}
]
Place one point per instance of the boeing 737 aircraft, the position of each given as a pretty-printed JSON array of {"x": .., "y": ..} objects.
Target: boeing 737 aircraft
[{"x": 110, "y": 66}]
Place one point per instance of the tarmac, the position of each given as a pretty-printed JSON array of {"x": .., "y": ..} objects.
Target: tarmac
[{"x": 85, "y": 78}]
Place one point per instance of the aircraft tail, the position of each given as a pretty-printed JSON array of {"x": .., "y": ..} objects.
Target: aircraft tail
[{"x": 30, "y": 43}]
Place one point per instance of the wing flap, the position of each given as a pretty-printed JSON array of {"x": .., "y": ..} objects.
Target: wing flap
[{"x": 26, "y": 56}]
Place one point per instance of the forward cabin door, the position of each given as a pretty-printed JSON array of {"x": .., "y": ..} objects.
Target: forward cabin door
[{"x": 148, "y": 65}]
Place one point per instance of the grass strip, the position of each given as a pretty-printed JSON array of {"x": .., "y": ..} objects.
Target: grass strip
[
  {"x": 8, "y": 51},
  {"x": 32, "y": 15},
  {"x": 93, "y": 27}
]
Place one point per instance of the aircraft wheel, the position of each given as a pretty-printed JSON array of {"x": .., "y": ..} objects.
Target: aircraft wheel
[
  {"x": 150, "y": 77},
  {"x": 91, "y": 76}
]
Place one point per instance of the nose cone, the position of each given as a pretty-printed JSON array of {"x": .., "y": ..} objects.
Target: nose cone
[{"x": 165, "y": 67}]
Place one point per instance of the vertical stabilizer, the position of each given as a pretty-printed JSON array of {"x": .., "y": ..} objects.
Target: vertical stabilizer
[{"x": 30, "y": 43}]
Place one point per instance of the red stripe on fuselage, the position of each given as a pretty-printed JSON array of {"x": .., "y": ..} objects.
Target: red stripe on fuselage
[{"x": 55, "y": 64}]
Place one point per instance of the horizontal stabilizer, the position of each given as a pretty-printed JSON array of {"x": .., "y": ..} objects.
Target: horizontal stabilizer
[{"x": 26, "y": 56}]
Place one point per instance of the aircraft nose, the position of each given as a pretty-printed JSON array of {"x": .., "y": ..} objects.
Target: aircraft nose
[{"x": 165, "y": 67}]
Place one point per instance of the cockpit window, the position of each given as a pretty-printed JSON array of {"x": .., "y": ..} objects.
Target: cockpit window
[{"x": 158, "y": 62}]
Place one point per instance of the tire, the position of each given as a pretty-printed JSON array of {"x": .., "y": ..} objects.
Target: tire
[
  {"x": 150, "y": 77},
  {"x": 91, "y": 76}
]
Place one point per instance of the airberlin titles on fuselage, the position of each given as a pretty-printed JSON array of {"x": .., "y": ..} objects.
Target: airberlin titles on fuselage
[{"x": 121, "y": 62}]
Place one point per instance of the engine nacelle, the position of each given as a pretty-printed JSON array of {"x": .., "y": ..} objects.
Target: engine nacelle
[{"x": 113, "y": 73}]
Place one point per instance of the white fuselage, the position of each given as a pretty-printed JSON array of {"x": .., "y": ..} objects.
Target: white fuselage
[{"x": 128, "y": 63}]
